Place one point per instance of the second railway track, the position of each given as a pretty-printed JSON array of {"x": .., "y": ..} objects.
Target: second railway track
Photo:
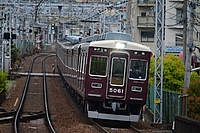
[{"x": 65, "y": 116}]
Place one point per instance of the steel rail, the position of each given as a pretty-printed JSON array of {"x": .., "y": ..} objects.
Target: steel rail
[
  {"x": 48, "y": 120},
  {"x": 19, "y": 110}
]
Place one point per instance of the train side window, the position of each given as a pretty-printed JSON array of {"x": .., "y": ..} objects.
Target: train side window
[
  {"x": 81, "y": 62},
  {"x": 138, "y": 69},
  {"x": 98, "y": 65},
  {"x": 84, "y": 62}
]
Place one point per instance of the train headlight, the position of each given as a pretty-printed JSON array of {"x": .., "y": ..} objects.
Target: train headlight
[
  {"x": 139, "y": 53},
  {"x": 100, "y": 49},
  {"x": 120, "y": 45},
  {"x": 136, "y": 89},
  {"x": 143, "y": 53}
]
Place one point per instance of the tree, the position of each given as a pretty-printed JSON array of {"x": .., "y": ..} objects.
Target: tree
[{"x": 173, "y": 73}]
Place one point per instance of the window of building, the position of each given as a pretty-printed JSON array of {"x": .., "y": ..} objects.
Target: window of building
[
  {"x": 147, "y": 36},
  {"x": 179, "y": 39},
  {"x": 143, "y": 14},
  {"x": 179, "y": 16}
]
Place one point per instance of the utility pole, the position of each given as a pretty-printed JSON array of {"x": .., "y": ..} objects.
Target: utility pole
[
  {"x": 184, "y": 30},
  {"x": 189, "y": 45}
]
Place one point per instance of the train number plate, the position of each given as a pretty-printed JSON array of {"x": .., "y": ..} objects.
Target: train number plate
[{"x": 115, "y": 90}]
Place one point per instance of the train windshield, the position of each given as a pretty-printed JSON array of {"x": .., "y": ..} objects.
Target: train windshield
[
  {"x": 98, "y": 65},
  {"x": 118, "y": 71},
  {"x": 118, "y": 36},
  {"x": 138, "y": 69}
]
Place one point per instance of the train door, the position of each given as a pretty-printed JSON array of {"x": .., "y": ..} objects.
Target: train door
[{"x": 117, "y": 75}]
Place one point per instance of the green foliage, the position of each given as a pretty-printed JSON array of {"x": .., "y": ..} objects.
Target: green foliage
[
  {"x": 173, "y": 73},
  {"x": 194, "y": 76},
  {"x": 173, "y": 80},
  {"x": 194, "y": 99},
  {"x": 3, "y": 78}
]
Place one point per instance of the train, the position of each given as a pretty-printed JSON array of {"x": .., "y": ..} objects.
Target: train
[{"x": 106, "y": 74}]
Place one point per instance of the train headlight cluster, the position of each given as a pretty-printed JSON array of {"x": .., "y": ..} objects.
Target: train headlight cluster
[
  {"x": 100, "y": 49},
  {"x": 139, "y": 53}
]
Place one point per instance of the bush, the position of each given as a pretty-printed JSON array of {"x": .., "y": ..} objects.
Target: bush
[
  {"x": 173, "y": 80},
  {"x": 173, "y": 73},
  {"x": 3, "y": 78},
  {"x": 194, "y": 99},
  {"x": 194, "y": 76}
]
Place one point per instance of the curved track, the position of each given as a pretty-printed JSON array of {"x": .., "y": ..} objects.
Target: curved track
[{"x": 38, "y": 109}]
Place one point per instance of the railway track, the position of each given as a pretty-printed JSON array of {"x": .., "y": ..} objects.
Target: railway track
[
  {"x": 115, "y": 127},
  {"x": 34, "y": 104},
  {"x": 64, "y": 118}
]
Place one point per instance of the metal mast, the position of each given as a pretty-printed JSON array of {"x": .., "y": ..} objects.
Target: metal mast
[{"x": 158, "y": 67}]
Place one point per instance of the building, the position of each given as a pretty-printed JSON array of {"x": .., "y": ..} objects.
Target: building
[
  {"x": 143, "y": 20},
  {"x": 142, "y": 16}
]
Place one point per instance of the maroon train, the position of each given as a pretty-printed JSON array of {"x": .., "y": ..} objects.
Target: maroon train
[{"x": 109, "y": 78}]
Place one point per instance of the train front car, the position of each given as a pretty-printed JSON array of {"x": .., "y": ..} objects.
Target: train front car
[{"x": 117, "y": 80}]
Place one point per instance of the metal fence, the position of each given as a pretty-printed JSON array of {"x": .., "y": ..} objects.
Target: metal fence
[
  {"x": 26, "y": 47},
  {"x": 172, "y": 103}
]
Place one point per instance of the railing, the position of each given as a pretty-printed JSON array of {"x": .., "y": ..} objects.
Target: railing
[
  {"x": 147, "y": 21},
  {"x": 172, "y": 103},
  {"x": 150, "y": 2},
  {"x": 146, "y": 1},
  {"x": 26, "y": 47}
]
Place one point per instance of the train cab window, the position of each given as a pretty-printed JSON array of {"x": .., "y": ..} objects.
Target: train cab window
[
  {"x": 138, "y": 69},
  {"x": 118, "y": 71},
  {"x": 98, "y": 65}
]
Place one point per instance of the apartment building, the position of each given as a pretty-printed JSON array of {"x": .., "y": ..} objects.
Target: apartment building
[{"x": 143, "y": 20}]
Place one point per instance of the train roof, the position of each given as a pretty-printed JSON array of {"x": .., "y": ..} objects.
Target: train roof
[
  {"x": 119, "y": 44},
  {"x": 108, "y": 36},
  {"x": 65, "y": 42},
  {"x": 117, "y": 36},
  {"x": 73, "y": 39}
]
